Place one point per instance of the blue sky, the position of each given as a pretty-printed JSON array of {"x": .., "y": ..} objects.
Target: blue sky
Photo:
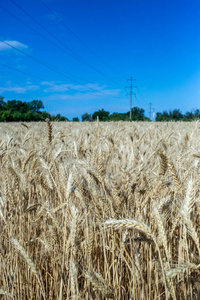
[{"x": 79, "y": 54}]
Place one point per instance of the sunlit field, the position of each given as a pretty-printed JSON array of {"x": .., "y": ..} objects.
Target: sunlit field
[{"x": 100, "y": 210}]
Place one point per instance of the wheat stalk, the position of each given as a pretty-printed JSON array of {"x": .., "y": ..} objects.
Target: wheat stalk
[{"x": 29, "y": 262}]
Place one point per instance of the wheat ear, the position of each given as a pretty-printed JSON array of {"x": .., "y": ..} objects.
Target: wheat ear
[
  {"x": 29, "y": 262},
  {"x": 141, "y": 227},
  {"x": 49, "y": 126},
  {"x": 99, "y": 284},
  {"x": 3, "y": 292},
  {"x": 163, "y": 163}
]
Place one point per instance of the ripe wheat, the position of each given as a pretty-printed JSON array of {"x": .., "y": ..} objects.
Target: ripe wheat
[{"x": 100, "y": 211}]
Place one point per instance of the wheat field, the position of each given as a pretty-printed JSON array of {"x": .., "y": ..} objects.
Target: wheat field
[{"x": 100, "y": 210}]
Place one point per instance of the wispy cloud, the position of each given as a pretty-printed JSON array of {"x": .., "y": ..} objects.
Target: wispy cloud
[
  {"x": 52, "y": 87},
  {"x": 89, "y": 89},
  {"x": 91, "y": 96},
  {"x": 18, "y": 89},
  {"x": 7, "y": 45}
]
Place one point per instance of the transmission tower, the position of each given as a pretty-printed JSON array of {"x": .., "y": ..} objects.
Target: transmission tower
[
  {"x": 150, "y": 110},
  {"x": 131, "y": 94}
]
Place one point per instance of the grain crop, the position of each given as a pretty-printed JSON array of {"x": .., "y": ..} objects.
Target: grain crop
[{"x": 100, "y": 210}]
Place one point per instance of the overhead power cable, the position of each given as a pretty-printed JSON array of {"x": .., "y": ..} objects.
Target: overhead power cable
[
  {"x": 70, "y": 51},
  {"x": 33, "y": 29},
  {"x": 78, "y": 38},
  {"x": 52, "y": 68},
  {"x": 48, "y": 66},
  {"x": 41, "y": 79}
]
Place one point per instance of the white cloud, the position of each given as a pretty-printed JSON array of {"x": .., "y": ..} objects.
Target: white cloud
[
  {"x": 7, "y": 45},
  {"x": 18, "y": 89},
  {"x": 85, "y": 96},
  {"x": 52, "y": 87},
  {"x": 91, "y": 89}
]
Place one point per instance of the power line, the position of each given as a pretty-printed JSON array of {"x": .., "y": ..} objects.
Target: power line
[
  {"x": 40, "y": 25},
  {"x": 39, "y": 78},
  {"x": 48, "y": 66},
  {"x": 38, "y": 60},
  {"x": 70, "y": 51},
  {"x": 53, "y": 68},
  {"x": 78, "y": 38},
  {"x": 27, "y": 25},
  {"x": 33, "y": 29},
  {"x": 14, "y": 69},
  {"x": 143, "y": 98}
]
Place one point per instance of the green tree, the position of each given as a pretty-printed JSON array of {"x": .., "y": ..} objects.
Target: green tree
[
  {"x": 197, "y": 114},
  {"x": 137, "y": 114},
  {"x": 36, "y": 105},
  {"x": 189, "y": 116},
  {"x": 2, "y": 116},
  {"x": 16, "y": 110},
  {"x": 174, "y": 115},
  {"x": 86, "y": 117},
  {"x": 7, "y": 116},
  {"x": 16, "y": 116},
  {"x": 102, "y": 114},
  {"x": 58, "y": 118},
  {"x": 159, "y": 117},
  {"x": 27, "y": 116},
  {"x": 118, "y": 117},
  {"x": 16, "y": 105},
  {"x": 63, "y": 119},
  {"x": 75, "y": 119},
  {"x": 177, "y": 115},
  {"x": 45, "y": 115},
  {"x": 36, "y": 117},
  {"x": 1, "y": 102}
]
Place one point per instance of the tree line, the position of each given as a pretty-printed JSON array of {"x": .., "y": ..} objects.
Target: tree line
[
  {"x": 138, "y": 115},
  {"x": 17, "y": 110},
  {"x": 176, "y": 115}
]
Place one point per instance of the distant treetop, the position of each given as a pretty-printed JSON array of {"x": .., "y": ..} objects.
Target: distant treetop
[{"x": 17, "y": 110}]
